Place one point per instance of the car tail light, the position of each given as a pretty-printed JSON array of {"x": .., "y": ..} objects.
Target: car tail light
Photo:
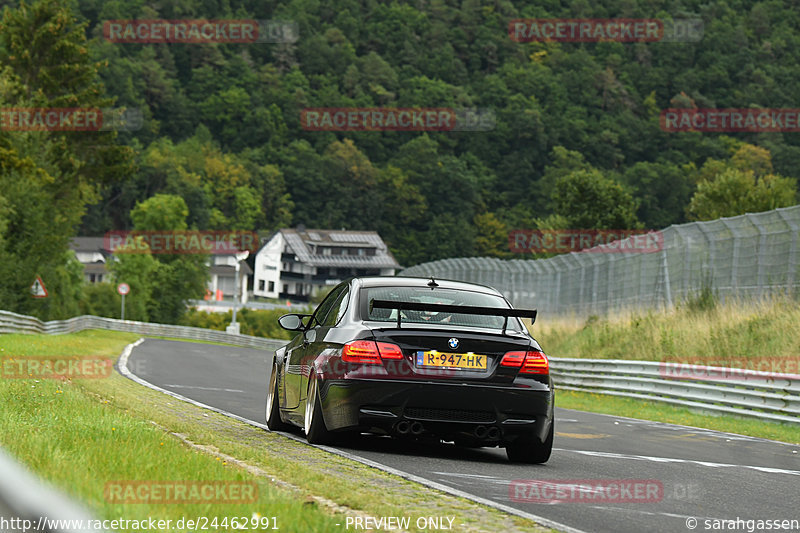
[
  {"x": 513, "y": 359},
  {"x": 361, "y": 352},
  {"x": 530, "y": 362},
  {"x": 370, "y": 352},
  {"x": 390, "y": 351}
]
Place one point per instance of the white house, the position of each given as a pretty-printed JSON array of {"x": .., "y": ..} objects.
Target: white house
[
  {"x": 222, "y": 269},
  {"x": 93, "y": 253},
  {"x": 297, "y": 263}
]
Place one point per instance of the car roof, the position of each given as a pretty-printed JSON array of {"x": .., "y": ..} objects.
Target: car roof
[{"x": 401, "y": 281}]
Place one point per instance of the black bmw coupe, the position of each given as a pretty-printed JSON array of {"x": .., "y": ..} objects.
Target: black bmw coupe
[{"x": 415, "y": 358}]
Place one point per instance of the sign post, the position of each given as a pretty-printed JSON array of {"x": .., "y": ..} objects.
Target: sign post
[
  {"x": 123, "y": 289},
  {"x": 38, "y": 289},
  {"x": 234, "y": 326}
]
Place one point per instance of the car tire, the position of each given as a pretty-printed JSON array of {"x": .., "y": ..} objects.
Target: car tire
[
  {"x": 313, "y": 423},
  {"x": 274, "y": 422},
  {"x": 532, "y": 452}
]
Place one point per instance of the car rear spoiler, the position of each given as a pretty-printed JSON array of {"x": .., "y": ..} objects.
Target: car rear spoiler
[{"x": 461, "y": 309}]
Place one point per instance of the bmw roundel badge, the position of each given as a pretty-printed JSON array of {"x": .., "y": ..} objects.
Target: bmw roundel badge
[{"x": 453, "y": 343}]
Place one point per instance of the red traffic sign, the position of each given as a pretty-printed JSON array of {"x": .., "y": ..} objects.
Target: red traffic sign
[
  {"x": 123, "y": 289},
  {"x": 38, "y": 289}
]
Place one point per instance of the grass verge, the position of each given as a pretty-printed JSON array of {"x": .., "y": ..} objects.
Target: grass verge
[
  {"x": 84, "y": 434},
  {"x": 735, "y": 334},
  {"x": 754, "y": 335},
  {"x": 661, "y": 412}
]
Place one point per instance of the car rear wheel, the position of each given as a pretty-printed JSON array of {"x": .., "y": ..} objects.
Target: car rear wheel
[
  {"x": 314, "y": 425},
  {"x": 274, "y": 422},
  {"x": 534, "y": 452}
]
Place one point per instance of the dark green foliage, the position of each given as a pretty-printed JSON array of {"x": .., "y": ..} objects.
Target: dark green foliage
[
  {"x": 577, "y": 140},
  {"x": 560, "y": 108}
]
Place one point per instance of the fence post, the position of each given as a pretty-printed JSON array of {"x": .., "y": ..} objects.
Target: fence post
[{"x": 792, "y": 251}]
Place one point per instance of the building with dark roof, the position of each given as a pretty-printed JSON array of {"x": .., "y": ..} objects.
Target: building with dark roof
[
  {"x": 298, "y": 263},
  {"x": 93, "y": 254}
]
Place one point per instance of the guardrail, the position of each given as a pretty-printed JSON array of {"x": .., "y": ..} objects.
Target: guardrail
[
  {"x": 23, "y": 498},
  {"x": 749, "y": 393},
  {"x": 14, "y": 323},
  {"x": 763, "y": 395},
  {"x": 27, "y": 504}
]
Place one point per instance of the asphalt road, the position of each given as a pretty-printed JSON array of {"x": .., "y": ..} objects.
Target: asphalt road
[{"x": 682, "y": 473}]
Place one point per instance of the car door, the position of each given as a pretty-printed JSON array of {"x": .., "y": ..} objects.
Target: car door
[
  {"x": 318, "y": 336},
  {"x": 294, "y": 372}
]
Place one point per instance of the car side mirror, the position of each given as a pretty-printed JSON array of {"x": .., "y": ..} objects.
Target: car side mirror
[{"x": 292, "y": 322}]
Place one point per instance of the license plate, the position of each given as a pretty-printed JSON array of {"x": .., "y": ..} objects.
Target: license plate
[{"x": 469, "y": 360}]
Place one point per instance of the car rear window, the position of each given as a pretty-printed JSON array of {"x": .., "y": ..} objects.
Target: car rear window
[{"x": 438, "y": 296}]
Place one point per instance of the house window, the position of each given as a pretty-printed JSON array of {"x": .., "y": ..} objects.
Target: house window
[
  {"x": 362, "y": 251},
  {"x": 91, "y": 278},
  {"x": 261, "y": 285},
  {"x": 285, "y": 287},
  {"x": 271, "y": 286},
  {"x": 326, "y": 251}
]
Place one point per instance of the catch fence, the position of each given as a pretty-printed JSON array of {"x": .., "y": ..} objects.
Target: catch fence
[{"x": 748, "y": 256}]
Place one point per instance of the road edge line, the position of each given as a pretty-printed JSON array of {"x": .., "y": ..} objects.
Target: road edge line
[{"x": 122, "y": 366}]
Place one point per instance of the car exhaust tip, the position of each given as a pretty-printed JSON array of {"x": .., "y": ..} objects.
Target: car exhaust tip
[
  {"x": 481, "y": 431},
  {"x": 417, "y": 428},
  {"x": 403, "y": 427},
  {"x": 493, "y": 433}
]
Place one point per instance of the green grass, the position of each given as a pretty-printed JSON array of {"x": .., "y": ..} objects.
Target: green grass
[
  {"x": 83, "y": 434},
  {"x": 82, "y": 443},
  {"x": 661, "y": 412},
  {"x": 761, "y": 335},
  {"x": 734, "y": 334}
]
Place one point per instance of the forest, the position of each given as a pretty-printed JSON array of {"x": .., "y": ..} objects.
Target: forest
[{"x": 576, "y": 139}]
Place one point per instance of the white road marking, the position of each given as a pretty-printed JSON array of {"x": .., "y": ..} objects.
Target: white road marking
[
  {"x": 710, "y": 464},
  {"x": 455, "y": 474},
  {"x": 680, "y": 427},
  {"x": 122, "y": 364},
  {"x": 173, "y": 386}
]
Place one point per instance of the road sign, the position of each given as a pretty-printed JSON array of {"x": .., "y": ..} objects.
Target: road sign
[
  {"x": 123, "y": 289},
  {"x": 38, "y": 289}
]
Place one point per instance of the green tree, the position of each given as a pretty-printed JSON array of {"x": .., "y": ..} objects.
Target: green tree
[
  {"x": 589, "y": 200},
  {"x": 491, "y": 236},
  {"x": 47, "y": 178},
  {"x": 173, "y": 279},
  {"x": 139, "y": 270},
  {"x": 736, "y": 192},
  {"x": 663, "y": 191}
]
